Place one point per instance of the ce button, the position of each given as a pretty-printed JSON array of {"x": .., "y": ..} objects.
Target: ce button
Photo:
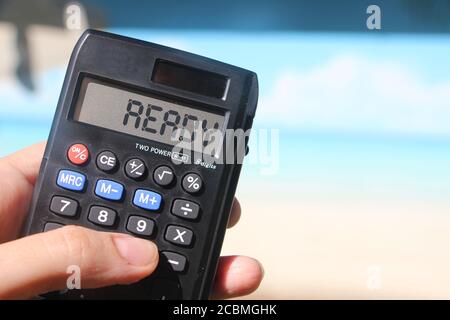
[{"x": 106, "y": 161}]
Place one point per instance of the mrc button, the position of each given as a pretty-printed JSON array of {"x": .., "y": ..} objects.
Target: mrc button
[
  {"x": 78, "y": 154},
  {"x": 71, "y": 180},
  {"x": 147, "y": 199}
]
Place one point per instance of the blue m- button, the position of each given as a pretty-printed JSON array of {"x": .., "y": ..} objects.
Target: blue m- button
[{"x": 109, "y": 190}]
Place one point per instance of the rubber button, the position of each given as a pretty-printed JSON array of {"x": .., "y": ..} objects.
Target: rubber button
[{"x": 78, "y": 154}]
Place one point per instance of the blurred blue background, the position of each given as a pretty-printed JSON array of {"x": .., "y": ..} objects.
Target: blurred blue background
[{"x": 361, "y": 181}]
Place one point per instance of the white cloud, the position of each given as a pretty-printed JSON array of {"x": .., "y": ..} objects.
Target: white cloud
[{"x": 355, "y": 94}]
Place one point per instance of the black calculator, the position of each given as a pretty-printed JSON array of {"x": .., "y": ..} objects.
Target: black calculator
[{"x": 140, "y": 144}]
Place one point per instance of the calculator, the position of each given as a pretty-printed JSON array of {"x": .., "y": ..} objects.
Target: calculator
[{"x": 140, "y": 145}]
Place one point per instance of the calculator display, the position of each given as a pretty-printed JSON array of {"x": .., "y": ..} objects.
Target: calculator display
[{"x": 121, "y": 110}]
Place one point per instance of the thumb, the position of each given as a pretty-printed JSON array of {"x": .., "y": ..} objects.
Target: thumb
[{"x": 39, "y": 263}]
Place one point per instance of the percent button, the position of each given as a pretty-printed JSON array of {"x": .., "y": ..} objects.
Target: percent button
[{"x": 192, "y": 183}]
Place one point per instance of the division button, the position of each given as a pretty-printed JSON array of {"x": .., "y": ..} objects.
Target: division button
[
  {"x": 179, "y": 235},
  {"x": 135, "y": 169},
  {"x": 78, "y": 154},
  {"x": 192, "y": 183},
  {"x": 140, "y": 226},
  {"x": 175, "y": 260},
  {"x": 71, "y": 180},
  {"x": 64, "y": 206},
  {"x": 185, "y": 209},
  {"x": 147, "y": 199},
  {"x": 49, "y": 226},
  {"x": 102, "y": 216},
  {"x": 109, "y": 190},
  {"x": 106, "y": 161},
  {"x": 163, "y": 176}
]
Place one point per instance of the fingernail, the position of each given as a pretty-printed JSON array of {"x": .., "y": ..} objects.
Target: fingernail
[{"x": 137, "y": 252}]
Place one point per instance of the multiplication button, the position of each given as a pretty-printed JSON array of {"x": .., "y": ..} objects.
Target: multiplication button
[
  {"x": 135, "y": 169},
  {"x": 179, "y": 235}
]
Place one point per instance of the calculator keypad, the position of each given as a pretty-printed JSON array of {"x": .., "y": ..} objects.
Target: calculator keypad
[{"x": 110, "y": 187}]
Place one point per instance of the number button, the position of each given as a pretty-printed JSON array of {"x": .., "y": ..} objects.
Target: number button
[
  {"x": 192, "y": 183},
  {"x": 176, "y": 261},
  {"x": 102, "y": 216},
  {"x": 163, "y": 176},
  {"x": 140, "y": 226},
  {"x": 106, "y": 161},
  {"x": 64, "y": 206},
  {"x": 179, "y": 235},
  {"x": 135, "y": 169},
  {"x": 185, "y": 209},
  {"x": 78, "y": 154}
]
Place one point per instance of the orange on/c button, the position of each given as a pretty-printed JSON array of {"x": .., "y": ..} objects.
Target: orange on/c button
[{"x": 78, "y": 154}]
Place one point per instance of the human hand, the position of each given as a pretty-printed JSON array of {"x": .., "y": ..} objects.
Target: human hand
[{"x": 37, "y": 264}]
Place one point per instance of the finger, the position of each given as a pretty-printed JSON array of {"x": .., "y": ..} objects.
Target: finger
[
  {"x": 235, "y": 213},
  {"x": 18, "y": 172},
  {"x": 39, "y": 263},
  {"x": 237, "y": 276}
]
